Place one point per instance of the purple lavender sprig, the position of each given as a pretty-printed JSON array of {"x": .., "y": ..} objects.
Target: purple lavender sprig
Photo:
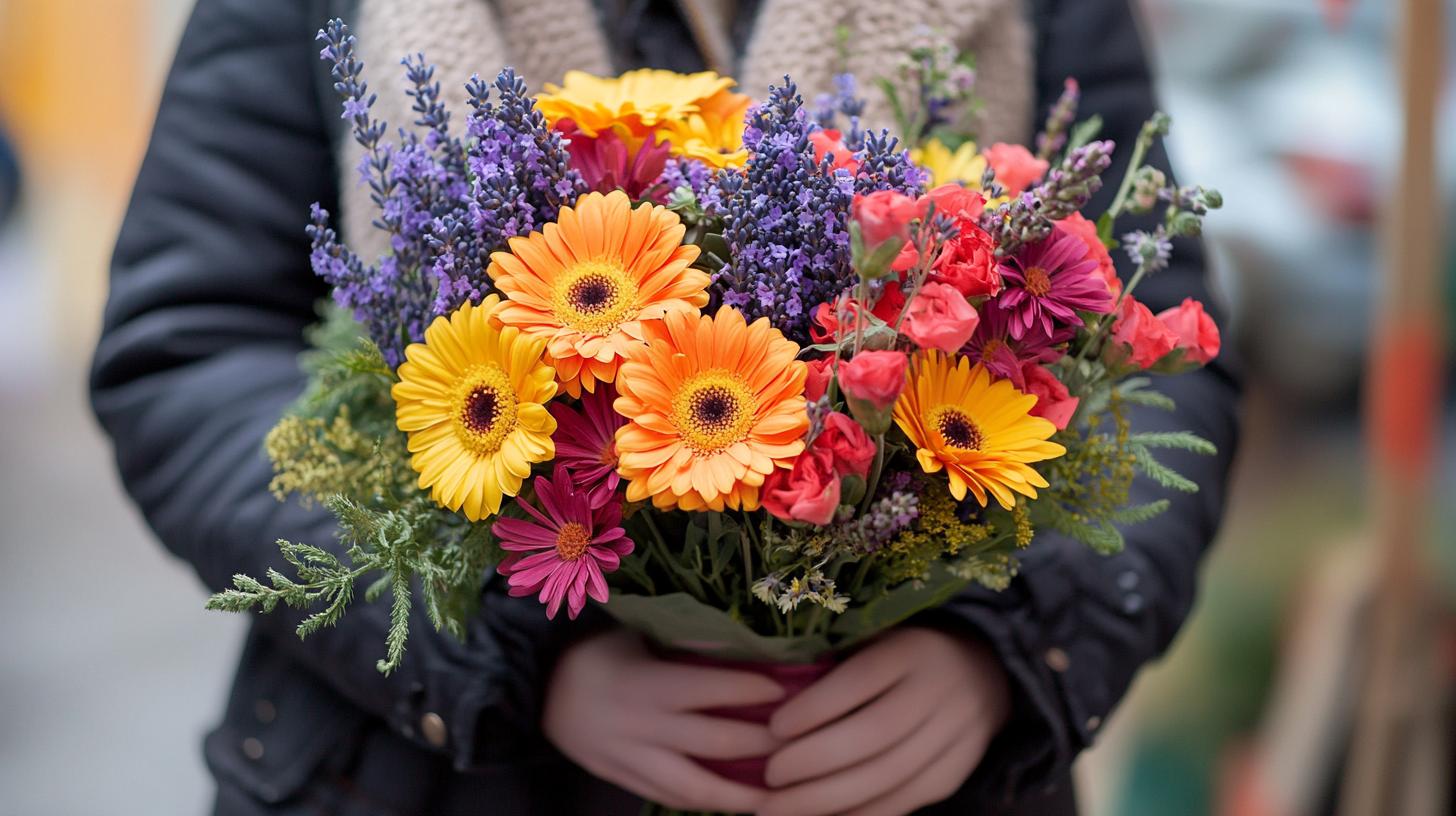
[
  {"x": 846, "y": 102},
  {"x": 880, "y": 523},
  {"x": 786, "y": 221},
  {"x": 883, "y": 166},
  {"x": 1059, "y": 121},
  {"x": 1066, "y": 190},
  {"x": 445, "y": 202}
]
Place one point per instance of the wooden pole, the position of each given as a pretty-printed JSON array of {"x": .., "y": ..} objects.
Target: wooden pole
[{"x": 1390, "y": 769}]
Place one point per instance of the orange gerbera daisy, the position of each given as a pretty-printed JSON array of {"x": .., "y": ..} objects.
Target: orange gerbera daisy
[
  {"x": 977, "y": 428},
  {"x": 586, "y": 283},
  {"x": 715, "y": 405}
]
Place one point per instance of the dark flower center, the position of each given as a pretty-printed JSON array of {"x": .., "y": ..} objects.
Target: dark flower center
[
  {"x": 714, "y": 408},
  {"x": 1038, "y": 282},
  {"x": 959, "y": 431},
  {"x": 590, "y": 294},
  {"x": 482, "y": 409},
  {"x": 572, "y": 541}
]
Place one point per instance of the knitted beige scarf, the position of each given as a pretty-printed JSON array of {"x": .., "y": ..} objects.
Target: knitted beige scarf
[{"x": 543, "y": 39}]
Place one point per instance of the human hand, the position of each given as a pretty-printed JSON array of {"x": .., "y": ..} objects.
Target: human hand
[
  {"x": 629, "y": 717},
  {"x": 899, "y": 725}
]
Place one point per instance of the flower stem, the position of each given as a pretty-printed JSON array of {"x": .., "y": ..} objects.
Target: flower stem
[
  {"x": 1139, "y": 152},
  {"x": 873, "y": 482}
]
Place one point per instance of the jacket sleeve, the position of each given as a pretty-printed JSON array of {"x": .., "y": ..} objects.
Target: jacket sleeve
[
  {"x": 210, "y": 291},
  {"x": 1075, "y": 627}
]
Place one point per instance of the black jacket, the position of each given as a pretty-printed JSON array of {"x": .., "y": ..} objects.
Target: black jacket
[{"x": 210, "y": 292}]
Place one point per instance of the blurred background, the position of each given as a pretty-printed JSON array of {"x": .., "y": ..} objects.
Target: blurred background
[{"x": 110, "y": 664}]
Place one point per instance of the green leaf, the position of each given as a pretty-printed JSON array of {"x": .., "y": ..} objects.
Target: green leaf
[
  {"x": 394, "y": 641},
  {"x": 1084, "y": 132},
  {"x": 865, "y": 620},
  {"x": 1161, "y": 473},
  {"x": 1149, "y": 398},
  {"x": 1174, "y": 440},
  {"x": 680, "y": 622},
  {"x": 1139, "y": 513},
  {"x": 1104, "y": 230}
]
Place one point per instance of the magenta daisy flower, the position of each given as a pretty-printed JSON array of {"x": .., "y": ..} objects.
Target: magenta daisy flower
[
  {"x": 1047, "y": 283},
  {"x": 565, "y": 549},
  {"x": 586, "y": 439},
  {"x": 1003, "y": 355}
]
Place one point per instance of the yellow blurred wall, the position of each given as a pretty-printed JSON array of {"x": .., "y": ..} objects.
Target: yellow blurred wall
[{"x": 79, "y": 80}]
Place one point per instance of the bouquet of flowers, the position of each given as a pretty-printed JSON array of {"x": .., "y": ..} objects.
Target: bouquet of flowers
[{"x": 757, "y": 380}]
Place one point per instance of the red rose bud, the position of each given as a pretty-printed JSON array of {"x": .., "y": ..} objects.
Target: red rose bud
[
  {"x": 872, "y": 381},
  {"x": 1054, "y": 402},
  {"x": 808, "y": 493},
  {"x": 968, "y": 262},
  {"x": 1196, "y": 333},
  {"x": 821, "y": 371},
  {"x": 883, "y": 215},
  {"x": 825, "y": 326},
  {"x": 1139, "y": 338},
  {"x": 848, "y": 444},
  {"x": 1015, "y": 167},
  {"x": 939, "y": 317},
  {"x": 953, "y": 201}
]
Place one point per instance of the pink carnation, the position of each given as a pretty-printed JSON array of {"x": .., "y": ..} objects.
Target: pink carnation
[
  {"x": 940, "y": 317},
  {"x": 809, "y": 492},
  {"x": 1195, "y": 331},
  {"x": 1138, "y": 337},
  {"x": 1054, "y": 402},
  {"x": 1015, "y": 167}
]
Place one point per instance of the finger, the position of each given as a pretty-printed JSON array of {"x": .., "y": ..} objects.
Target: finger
[
  {"x": 871, "y": 779},
  {"x": 688, "y": 786},
  {"x": 694, "y": 688},
  {"x": 872, "y": 730},
  {"x": 849, "y": 686},
  {"x": 708, "y": 737},
  {"x": 939, "y": 781},
  {"x": 633, "y": 769}
]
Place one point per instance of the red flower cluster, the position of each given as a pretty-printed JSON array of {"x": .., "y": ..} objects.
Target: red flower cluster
[{"x": 810, "y": 491}]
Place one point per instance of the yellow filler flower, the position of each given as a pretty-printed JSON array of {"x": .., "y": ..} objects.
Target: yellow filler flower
[
  {"x": 714, "y": 405},
  {"x": 585, "y": 283},
  {"x": 978, "y": 429},
  {"x": 965, "y": 166},
  {"x": 472, "y": 399}
]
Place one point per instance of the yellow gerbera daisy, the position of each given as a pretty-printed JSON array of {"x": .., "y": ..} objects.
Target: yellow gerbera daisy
[
  {"x": 964, "y": 166},
  {"x": 472, "y": 398},
  {"x": 713, "y": 134},
  {"x": 978, "y": 429},
  {"x": 638, "y": 101},
  {"x": 714, "y": 406},
  {"x": 585, "y": 283}
]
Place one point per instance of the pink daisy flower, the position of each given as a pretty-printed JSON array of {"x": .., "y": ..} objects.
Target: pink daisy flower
[
  {"x": 608, "y": 163},
  {"x": 586, "y": 439},
  {"x": 1003, "y": 355},
  {"x": 1047, "y": 283},
  {"x": 565, "y": 549}
]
